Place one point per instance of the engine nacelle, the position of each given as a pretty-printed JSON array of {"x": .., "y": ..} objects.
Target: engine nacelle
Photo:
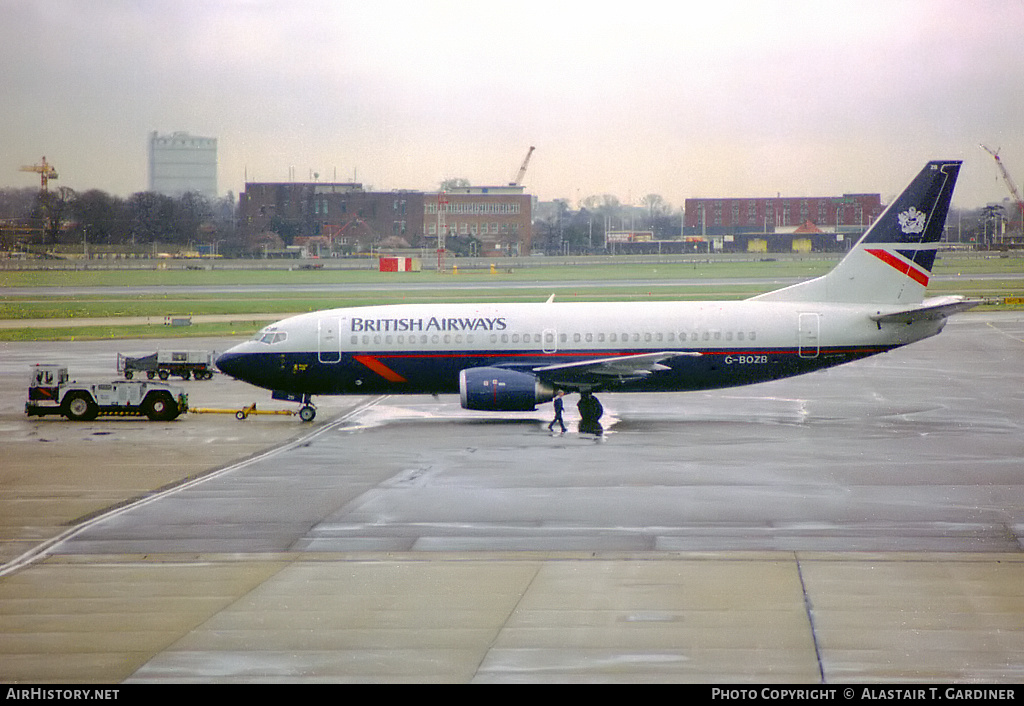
[{"x": 501, "y": 390}]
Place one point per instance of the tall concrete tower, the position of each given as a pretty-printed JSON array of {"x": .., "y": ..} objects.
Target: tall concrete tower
[{"x": 179, "y": 163}]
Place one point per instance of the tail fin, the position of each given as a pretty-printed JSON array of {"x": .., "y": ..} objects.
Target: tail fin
[{"x": 892, "y": 263}]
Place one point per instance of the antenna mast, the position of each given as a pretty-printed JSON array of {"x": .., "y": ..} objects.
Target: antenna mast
[{"x": 442, "y": 206}]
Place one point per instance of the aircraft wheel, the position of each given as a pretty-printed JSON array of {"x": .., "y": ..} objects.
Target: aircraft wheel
[
  {"x": 307, "y": 413},
  {"x": 80, "y": 407}
]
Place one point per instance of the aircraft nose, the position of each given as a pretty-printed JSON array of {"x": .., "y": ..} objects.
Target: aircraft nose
[
  {"x": 248, "y": 367},
  {"x": 234, "y": 364}
]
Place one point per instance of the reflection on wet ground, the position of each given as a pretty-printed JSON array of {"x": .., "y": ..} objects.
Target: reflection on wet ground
[{"x": 916, "y": 450}]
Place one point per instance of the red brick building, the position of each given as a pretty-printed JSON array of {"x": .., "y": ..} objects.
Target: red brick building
[
  {"x": 499, "y": 217},
  {"x": 348, "y": 220},
  {"x": 764, "y": 215}
]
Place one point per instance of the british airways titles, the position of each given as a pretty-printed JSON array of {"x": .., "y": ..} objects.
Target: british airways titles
[{"x": 433, "y": 323}]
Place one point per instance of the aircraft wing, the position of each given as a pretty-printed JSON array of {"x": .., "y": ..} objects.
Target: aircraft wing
[
  {"x": 935, "y": 308},
  {"x": 608, "y": 370}
]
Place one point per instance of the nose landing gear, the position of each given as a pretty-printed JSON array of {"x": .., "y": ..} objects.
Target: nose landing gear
[{"x": 307, "y": 412}]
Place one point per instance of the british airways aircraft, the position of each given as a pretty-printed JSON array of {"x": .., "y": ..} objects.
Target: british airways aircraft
[{"x": 512, "y": 357}]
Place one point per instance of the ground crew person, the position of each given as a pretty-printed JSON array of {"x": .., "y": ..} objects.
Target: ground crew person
[{"x": 559, "y": 405}]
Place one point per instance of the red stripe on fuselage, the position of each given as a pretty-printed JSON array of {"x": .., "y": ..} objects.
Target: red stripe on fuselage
[
  {"x": 379, "y": 368},
  {"x": 608, "y": 354},
  {"x": 906, "y": 268}
]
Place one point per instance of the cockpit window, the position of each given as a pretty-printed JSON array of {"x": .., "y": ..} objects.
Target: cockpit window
[{"x": 271, "y": 336}]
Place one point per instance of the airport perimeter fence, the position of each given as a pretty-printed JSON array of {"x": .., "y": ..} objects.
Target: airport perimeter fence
[{"x": 429, "y": 262}]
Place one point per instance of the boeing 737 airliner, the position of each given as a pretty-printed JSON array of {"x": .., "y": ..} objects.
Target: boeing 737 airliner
[{"x": 505, "y": 357}]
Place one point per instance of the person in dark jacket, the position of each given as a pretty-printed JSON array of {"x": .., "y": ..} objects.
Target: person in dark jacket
[{"x": 559, "y": 406}]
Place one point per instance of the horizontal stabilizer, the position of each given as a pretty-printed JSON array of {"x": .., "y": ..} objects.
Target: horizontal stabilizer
[{"x": 930, "y": 309}]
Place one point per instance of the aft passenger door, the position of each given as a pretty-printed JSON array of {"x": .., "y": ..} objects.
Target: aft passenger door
[{"x": 810, "y": 328}]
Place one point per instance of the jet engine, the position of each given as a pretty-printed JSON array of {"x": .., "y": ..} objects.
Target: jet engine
[{"x": 501, "y": 390}]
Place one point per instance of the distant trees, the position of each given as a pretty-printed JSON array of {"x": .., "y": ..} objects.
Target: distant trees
[
  {"x": 152, "y": 217},
  {"x": 98, "y": 218},
  {"x": 992, "y": 220},
  {"x": 982, "y": 228},
  {"x": 606, "y": 204},
  {"x": 29, "y": 210},
  {"x": 17, "y": 203},
  {"x": 560, "y": 229},
  {"x": 655, "y": 205}
]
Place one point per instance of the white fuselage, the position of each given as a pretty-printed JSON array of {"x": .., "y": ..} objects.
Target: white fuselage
[{"x": 422, "y": 347}]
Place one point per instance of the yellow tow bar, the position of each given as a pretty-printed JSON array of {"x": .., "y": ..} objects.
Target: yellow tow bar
[{"x": 241, "y": 413}]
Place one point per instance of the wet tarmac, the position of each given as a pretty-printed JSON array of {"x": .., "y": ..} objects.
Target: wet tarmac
[
  {"x": 918, "y": 450},
  {"x": 858, "y": 524}
]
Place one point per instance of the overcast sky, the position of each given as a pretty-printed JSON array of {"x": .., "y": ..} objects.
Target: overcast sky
[{"x": 682, "y": 99}]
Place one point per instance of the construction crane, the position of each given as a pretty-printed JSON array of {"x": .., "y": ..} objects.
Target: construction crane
[
  {"x": 1014, "y": 191},
  {"x": 45, "y": 171},
  {"x": 522, "y": 170}
]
